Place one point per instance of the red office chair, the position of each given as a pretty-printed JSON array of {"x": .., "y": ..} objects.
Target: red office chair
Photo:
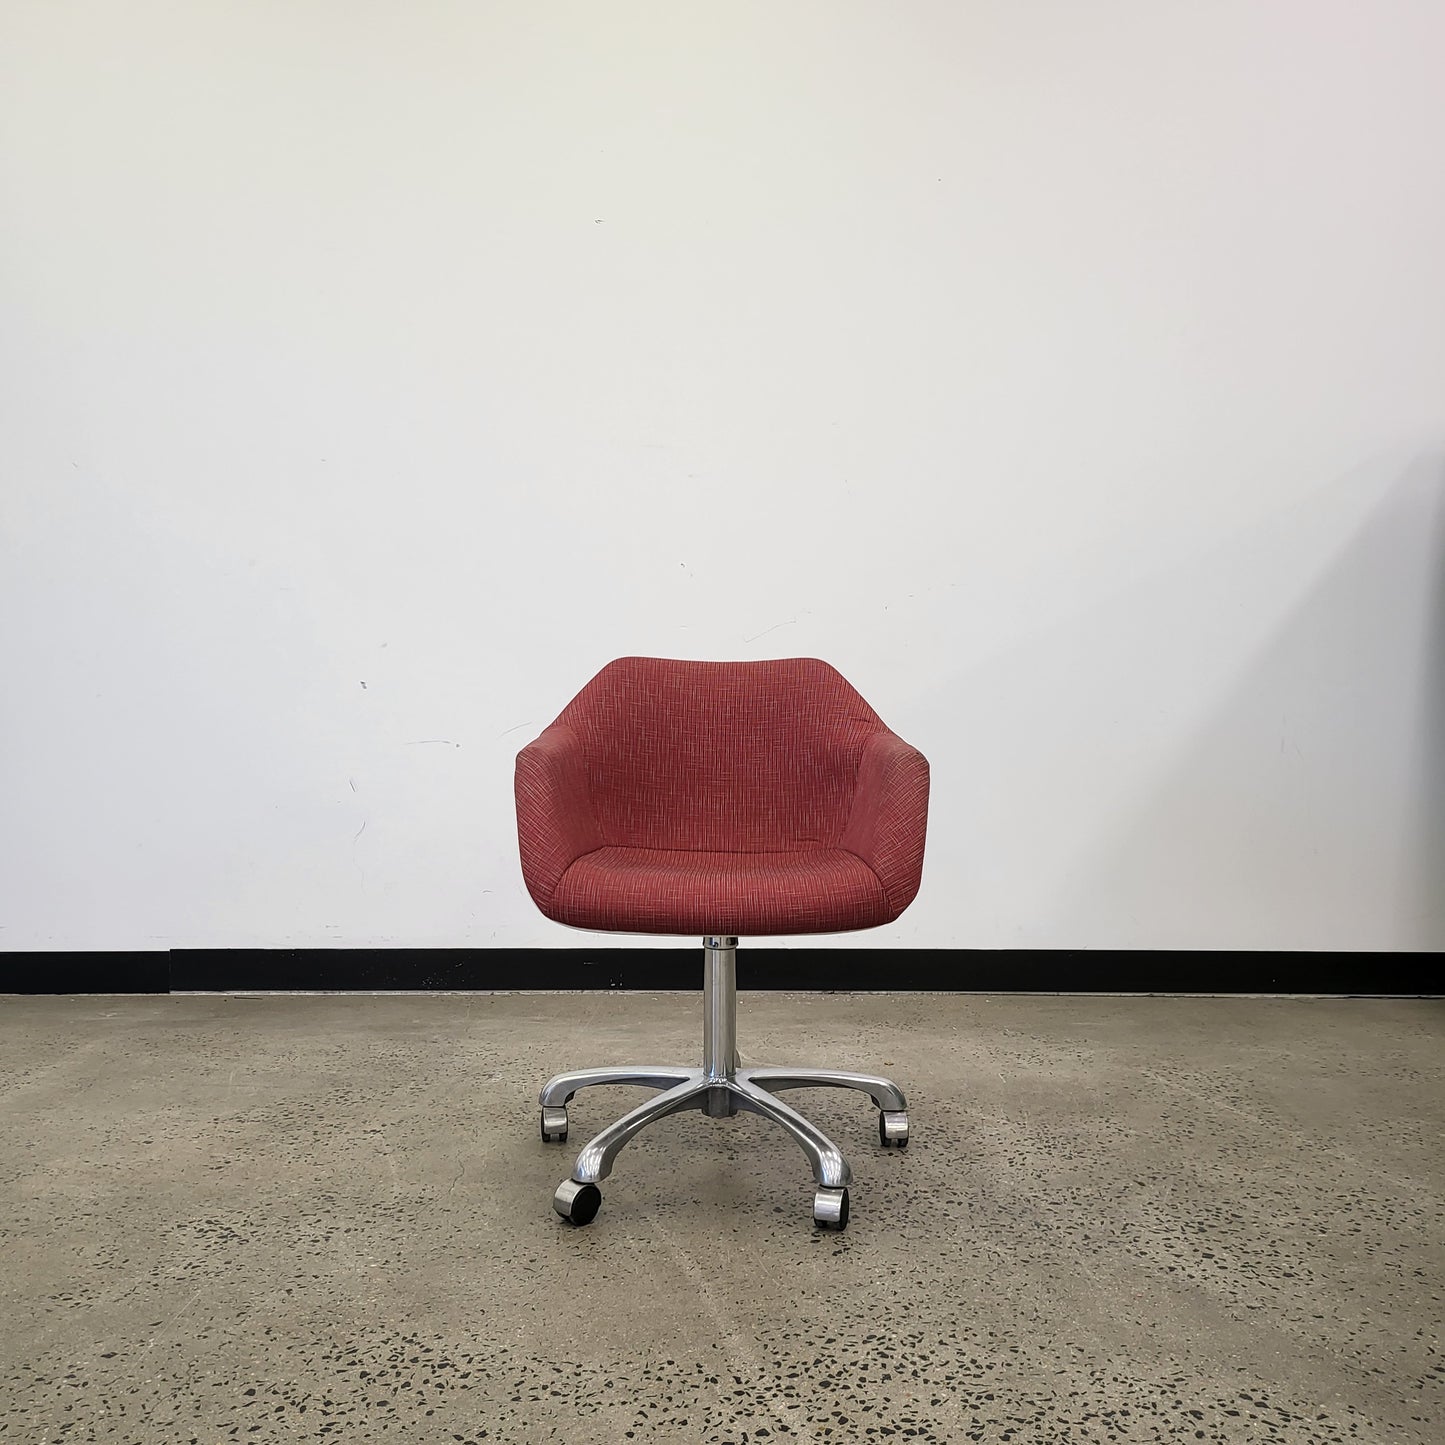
[{"x": 720, "y": 798}]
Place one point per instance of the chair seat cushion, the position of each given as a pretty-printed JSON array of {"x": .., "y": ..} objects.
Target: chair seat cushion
[{"x": 664, "y": 890}]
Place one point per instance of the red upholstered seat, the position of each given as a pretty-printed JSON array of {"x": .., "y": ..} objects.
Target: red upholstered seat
[
  {"x": 721, "y": 797},
  {"x": 671, "y": 890}
]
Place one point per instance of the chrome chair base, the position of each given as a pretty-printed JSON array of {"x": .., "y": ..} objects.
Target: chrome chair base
[{"x": 720, "y": 1089}]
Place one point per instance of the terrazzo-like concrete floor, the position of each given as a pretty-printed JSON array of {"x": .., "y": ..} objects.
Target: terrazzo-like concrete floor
[{"x": 287, "y": 1219}]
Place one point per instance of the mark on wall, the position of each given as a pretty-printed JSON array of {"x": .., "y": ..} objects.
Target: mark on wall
[{"x": 787, "y": 622}]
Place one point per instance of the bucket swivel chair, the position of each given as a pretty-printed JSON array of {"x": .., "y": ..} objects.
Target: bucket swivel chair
[{"x": 720, "y": 798}]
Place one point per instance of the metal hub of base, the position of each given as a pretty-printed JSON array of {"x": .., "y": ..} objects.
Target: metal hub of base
[{"x": 719, "y": 1089}]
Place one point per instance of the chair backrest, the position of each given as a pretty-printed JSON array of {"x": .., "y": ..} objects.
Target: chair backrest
[{"x": 721, "y": 756}]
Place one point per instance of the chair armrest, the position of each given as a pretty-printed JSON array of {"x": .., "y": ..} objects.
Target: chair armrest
[
  {"x": 555, "y": 823},
  {"x": 889, "y": 817}
]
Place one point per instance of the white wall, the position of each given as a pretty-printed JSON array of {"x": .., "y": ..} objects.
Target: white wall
[{"x": 1072, "y": 376}]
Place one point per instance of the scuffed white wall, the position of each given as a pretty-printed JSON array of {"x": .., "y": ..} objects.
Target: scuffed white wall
[{"x": 1073, "y": 377}]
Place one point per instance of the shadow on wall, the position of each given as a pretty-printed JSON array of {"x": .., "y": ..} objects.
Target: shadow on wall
[
  {"x": 1153, "y": 790},
  {"x": 1306, "y": 810},
  {"x": 1424, "y": 923}
]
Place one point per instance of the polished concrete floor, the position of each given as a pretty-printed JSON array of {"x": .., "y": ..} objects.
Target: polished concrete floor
[{"x": 328, "y": 1218}]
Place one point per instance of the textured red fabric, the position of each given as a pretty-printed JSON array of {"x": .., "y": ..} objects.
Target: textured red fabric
[{"x": 721, "y": 797}]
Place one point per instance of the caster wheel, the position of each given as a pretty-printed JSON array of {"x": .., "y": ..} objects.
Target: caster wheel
[
  {"x": 893, "y": 1130},
  {"x": 577, "y": 1203},
  {"x": 554, "y": 1126},
  {"x": 830, "y": 1209}
]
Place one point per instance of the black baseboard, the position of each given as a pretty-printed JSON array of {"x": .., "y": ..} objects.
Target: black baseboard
[
  {"x": 96, "y": 972},
  {"x": 955, "y": 970}
]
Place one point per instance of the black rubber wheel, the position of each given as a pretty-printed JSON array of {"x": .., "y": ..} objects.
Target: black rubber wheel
[
  {"x": 586, "y": 1201},
  {"x": 554, "y": 1135}
]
